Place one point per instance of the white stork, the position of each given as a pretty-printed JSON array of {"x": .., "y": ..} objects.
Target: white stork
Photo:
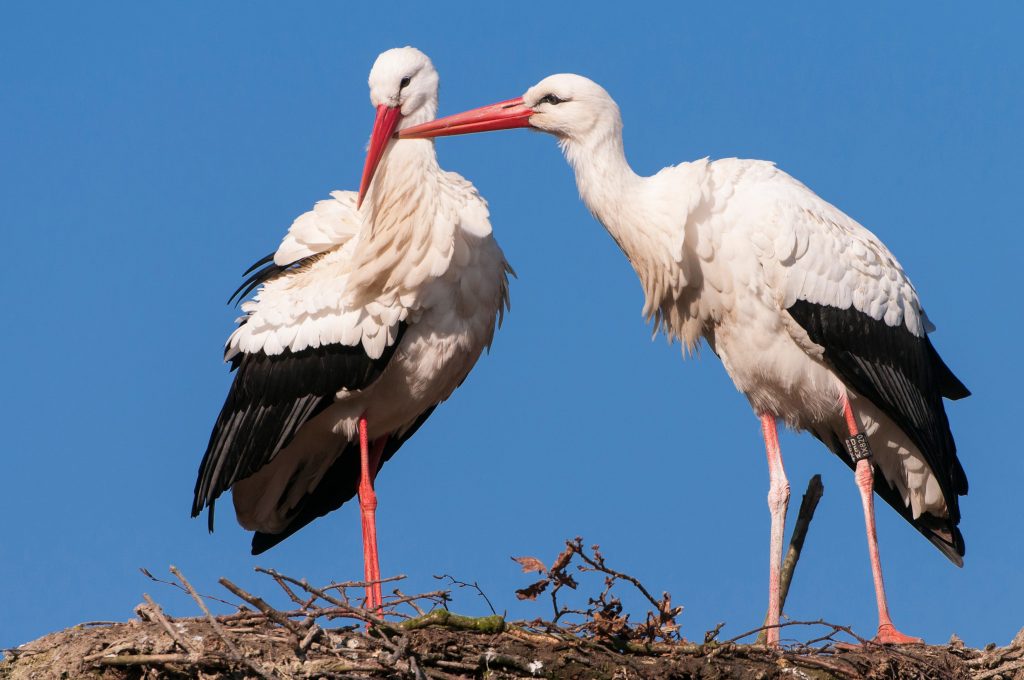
[
  {"x": 813, "y": 318},
  {"x": 369, "y": 315}
]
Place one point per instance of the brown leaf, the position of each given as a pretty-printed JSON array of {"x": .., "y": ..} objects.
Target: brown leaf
[
  {"x": 531, "y": 591},
  {"x": 565, "y": 580},
  {"x": 531, "y": 564},
  {"x": 562, "y": 561}
]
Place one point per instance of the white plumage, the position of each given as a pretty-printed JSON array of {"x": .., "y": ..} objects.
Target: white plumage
[
  {"x": 812, "y": 316},
  {"x": 367, "y": 316}
]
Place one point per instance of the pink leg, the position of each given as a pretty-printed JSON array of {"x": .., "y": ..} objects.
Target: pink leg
[
  {"x": 778, "y": 502},
  {"x": 865, "y": 475},
  {"x": 368, "y": 505}
]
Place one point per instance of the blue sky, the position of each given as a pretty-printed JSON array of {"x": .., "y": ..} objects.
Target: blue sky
[{"x": 150, "y": 155}]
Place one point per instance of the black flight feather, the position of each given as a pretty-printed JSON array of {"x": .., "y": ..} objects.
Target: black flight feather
[
  {"x": 902, "y": 375},
  {"x": 273, "y": 396},
  {"x": 263, "y": 270}
]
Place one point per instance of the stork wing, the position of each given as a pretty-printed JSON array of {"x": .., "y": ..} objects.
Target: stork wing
[
  {"x": 272, "y": 396},
  {"x": 297, "y": 346},
  {"x": 329, "y": 224},
  {"x": 844, "y": 288},
  {"x": 899, "y": 373}
]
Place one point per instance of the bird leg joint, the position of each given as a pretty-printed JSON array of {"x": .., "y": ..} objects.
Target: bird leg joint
[
  {"x": 858, "y": 447},
  {"x": 367, "y": 497},
  {"x": 778, "y": 495},
  {"x": 865, "y": 476}
]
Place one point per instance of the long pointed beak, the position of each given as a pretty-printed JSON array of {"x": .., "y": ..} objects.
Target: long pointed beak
[
  {"x": 383, "y": 127},
  {"x": 501, "y": 116}
]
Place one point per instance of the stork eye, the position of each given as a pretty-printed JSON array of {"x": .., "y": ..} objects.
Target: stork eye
[
  {"x": 550, "y": 99},
  {"x": 405, "y": 82}
]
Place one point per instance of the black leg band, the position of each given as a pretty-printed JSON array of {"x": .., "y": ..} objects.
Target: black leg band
[{"x": 857, "y": 446}]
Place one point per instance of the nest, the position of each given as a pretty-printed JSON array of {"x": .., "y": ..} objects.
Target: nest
[{"x": 328, "y": 633}]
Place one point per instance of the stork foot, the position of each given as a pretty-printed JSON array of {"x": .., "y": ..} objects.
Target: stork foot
[{"x": 888, "y": 635}]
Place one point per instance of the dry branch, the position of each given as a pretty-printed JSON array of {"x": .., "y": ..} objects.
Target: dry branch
[{"x": 808, "y": 504}]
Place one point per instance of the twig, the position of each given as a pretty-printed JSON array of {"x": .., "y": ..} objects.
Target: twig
[
  {"x": 232, "y": 649},
  {"x": 149, "y": 575},
  {"x": 144, "y": 659},
  {"x": 351, "y": 584},
  {"x": 111, "y": 650},
  {"x": 475, "y": 585},
  {"x": 296, "y": 632},
  {"x": 813, "y": 662},
  {"x": 288, "y": 591},
  {"x": 803, "y": 522},
  {"x": 436, "y": 597},
  {"x": 314, "y": 632},
  {"x": 380, "y": 626},
  {"x": 1003, "y": 670},
  {"x": 411, "y": 601},
  {"x": 602, "y": 567},
  {"x": 157, "y": 613},
  {"x": 820, "y": 622}
]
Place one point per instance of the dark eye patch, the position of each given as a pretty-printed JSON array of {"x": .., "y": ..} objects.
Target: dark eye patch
[
  {"x": 550, "y": 99},
  {"x": 405, "y": 82}
]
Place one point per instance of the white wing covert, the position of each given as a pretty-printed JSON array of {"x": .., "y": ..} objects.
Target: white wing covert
[
  {"x": 814, "y": 252},
  {"x": 331, "y": 223}
]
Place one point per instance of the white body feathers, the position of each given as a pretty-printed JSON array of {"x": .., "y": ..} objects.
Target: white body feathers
[{"x": 433, "y": 265}]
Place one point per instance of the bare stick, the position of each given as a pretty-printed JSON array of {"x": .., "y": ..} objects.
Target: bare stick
[
  {"x": 803, "y": 521},
  {"x": 354, "y": 612},
  {"x": 232, "y": 649},
  {"x": 157, "y": 613},
  {"x": 291, "y": 594},
  {"x": 144, "y": 659},
  {"x": 351, "y": 584},
  {"x": 277, "y": 617},
  {"x": 314, "y": 631},
  {"x": 411, "y": 600},
  {"x": 820, "y": 622},
  {"x": 598, "y": 563},
  {"x": 474, "y": 585},
  {"x": 149, "y": 575}
]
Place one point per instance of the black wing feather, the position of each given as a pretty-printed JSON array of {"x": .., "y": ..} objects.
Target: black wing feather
[
  {"x": 263, "y": 270},
  {"x": 943, "y": 533},
  {"x": 338, "y": 486},
  {"x": 901, "y": 374},
  {"x": 270, "y": 399}
]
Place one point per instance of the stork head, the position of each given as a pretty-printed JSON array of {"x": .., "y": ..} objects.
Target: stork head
[
  {"x": 571, "y": 107},
  {"x": 403, "y": 88}
]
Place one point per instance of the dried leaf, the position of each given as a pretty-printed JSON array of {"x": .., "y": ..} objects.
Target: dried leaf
[
  {"x": 562, "y": 561},
  {"x": 564, "y": 579},
  {"x": 531, "y": 591},
  {"x": 531, "y": 564}
]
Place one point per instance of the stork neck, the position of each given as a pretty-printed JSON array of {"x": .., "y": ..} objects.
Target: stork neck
[
  {"x": 404, "y": 164},
  {"x": 399, "y": 222},
  {"x": 610, "y": 189}
]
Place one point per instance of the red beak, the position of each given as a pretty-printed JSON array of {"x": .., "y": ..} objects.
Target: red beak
[
  {"x": 383, "y": 127},
  {"x": 500, "y": 116}
]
